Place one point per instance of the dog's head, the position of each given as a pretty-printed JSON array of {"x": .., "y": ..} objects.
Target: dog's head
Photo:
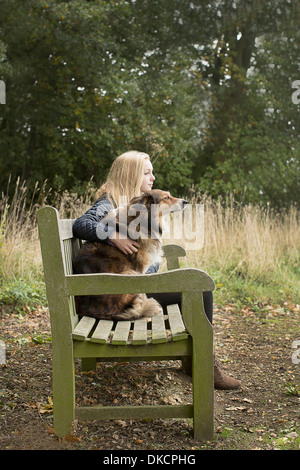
[
  {"x": 151, "y": 206},
  {"x": 161, "y": 200},
  {"x": 142, "y": 217}
]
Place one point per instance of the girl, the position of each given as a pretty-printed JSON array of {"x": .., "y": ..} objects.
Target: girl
[{"x": 130, "y": 175}]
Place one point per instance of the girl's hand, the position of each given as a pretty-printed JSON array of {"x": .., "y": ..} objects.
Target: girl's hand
[{"x": 126, "y": 245}]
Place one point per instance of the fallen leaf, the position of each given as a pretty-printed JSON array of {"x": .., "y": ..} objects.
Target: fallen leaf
[
  {"x": 120, "y": 422},
  {"x": 45, "y": 408},
  {"x": 72, "y": 438},
  {"x": 236, "y": 408}
]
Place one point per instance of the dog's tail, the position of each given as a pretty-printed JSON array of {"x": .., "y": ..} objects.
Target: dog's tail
[{"x": 142, "y": 306}]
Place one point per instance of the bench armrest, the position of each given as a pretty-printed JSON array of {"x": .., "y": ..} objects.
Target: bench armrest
[
  {"x": 172, "y": 252},
  {"x": 178, "y": 280},
  {"x": 191, "y": 282}
]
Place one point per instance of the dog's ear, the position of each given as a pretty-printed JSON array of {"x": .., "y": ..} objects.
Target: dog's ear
[{"x": 146, "y": 199}]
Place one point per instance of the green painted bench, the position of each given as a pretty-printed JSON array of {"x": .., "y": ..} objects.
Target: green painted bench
[{"x": 180, "y": 335}]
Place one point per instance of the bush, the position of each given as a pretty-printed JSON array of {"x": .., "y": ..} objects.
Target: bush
[{"x": 21, "y": 293}]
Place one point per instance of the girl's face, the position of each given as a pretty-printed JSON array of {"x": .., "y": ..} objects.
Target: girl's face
[{"x": 148, "y": 176}]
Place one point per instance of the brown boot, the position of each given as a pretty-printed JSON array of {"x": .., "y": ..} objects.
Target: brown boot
[{"x": 222, "y": 381}]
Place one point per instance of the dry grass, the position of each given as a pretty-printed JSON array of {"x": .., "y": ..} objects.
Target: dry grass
[
  {"x": 250, "y": 249},
  {"x": 19, "y": 243},
  {"x": 249, "y": 236},
  {"x": 242, "y": 244}
]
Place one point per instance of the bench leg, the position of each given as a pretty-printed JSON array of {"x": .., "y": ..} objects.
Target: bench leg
[
  {"x": 203, "y": 364},
  {"x": 63, "y": 373},
  {"x": 203, "y": 395}
]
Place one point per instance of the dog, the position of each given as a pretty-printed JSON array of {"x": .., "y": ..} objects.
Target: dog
[{"x": 99, "y": 257}]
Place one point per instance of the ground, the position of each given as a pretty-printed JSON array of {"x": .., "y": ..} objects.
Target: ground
[{"x": 251, "y": 345}]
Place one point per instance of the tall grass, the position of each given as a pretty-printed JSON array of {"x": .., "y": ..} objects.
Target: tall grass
[
  {"x": 251, "y": 252},
  {"x": 21, "y": 275}
]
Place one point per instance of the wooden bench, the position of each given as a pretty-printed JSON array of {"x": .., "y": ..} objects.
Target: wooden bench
[{"x": 186, "y": 335}]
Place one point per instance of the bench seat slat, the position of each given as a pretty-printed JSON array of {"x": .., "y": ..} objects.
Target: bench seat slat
[
  {"x": 83, "y": 328},
  {"x": 121, "y": 332},
  {"x": 105, "y": 333},
  {"x": 177, "y": 326},
  {"x": 140, "y": 331},
  {"x": 102, "y": 331},
  {"x": 159, "y": 334}
]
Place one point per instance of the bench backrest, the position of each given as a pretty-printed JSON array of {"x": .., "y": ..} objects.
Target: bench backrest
[
  {"x": 58, "y": 247},
  {"x": 70, "y": 244}
]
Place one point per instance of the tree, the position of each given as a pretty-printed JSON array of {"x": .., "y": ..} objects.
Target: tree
[
  {"x": 257, "y": 154},
  {"x": 182, "y": 80},
  {"x": 241, "y": 147},
  {"x": 51, "y": 81},
  {"x": 76, "y": 98}
]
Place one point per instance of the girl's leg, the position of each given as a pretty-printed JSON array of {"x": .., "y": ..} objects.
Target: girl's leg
[
  {"x": 169, "y": 298},
  {"x": 221, "y": 380}
]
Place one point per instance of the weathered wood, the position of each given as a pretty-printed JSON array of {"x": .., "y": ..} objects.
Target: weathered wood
[
  {"x": 184, "y": 279},
  {"x": 65, "y": 228},
  {"x": 134, "y": 412},
  {"x": 191, "y": 336},
  {"x": 202, "y": 365},
  {"x": 102, "y": 331},
  {"x": 172, "y": 253},
  {"x": 67, "y": 248},
  {"x": 140, "y": 334},
  {"x": 121, "y": 333},
  {"x": 159, "y": 334},
  {"x": 178, "y": 329},
  {"x": 158, "y": 352},
  {"x": 83, "y": 328},
  {"x": 62, "y": 321}
]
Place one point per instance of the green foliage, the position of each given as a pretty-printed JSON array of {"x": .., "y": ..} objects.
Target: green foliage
[
  {"x": 204, "y": 87},
  {"x": 257, "y": 167},
  {"x": 257, "y": 158},
  {"x": 291, "y": 389},
  {"x": 21, "y": 293}
]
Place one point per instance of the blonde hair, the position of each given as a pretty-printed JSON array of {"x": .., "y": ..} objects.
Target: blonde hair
[{"x": 125, "y": 177}]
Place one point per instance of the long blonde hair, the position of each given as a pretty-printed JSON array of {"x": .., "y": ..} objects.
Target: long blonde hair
[{"x": 125, "y": 177}]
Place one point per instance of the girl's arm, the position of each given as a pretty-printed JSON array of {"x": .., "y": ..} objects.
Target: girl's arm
[{"x": 90, "y": 227}]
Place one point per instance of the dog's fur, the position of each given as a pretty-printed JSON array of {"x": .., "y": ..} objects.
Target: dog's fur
[{"x": 99, "y": 257}]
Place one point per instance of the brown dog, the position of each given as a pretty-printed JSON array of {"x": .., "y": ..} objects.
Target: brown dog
[{"x": 141, "y": 220}]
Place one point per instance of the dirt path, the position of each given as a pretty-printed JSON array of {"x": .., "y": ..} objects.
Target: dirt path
[{"x": 252, "y": 346}]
